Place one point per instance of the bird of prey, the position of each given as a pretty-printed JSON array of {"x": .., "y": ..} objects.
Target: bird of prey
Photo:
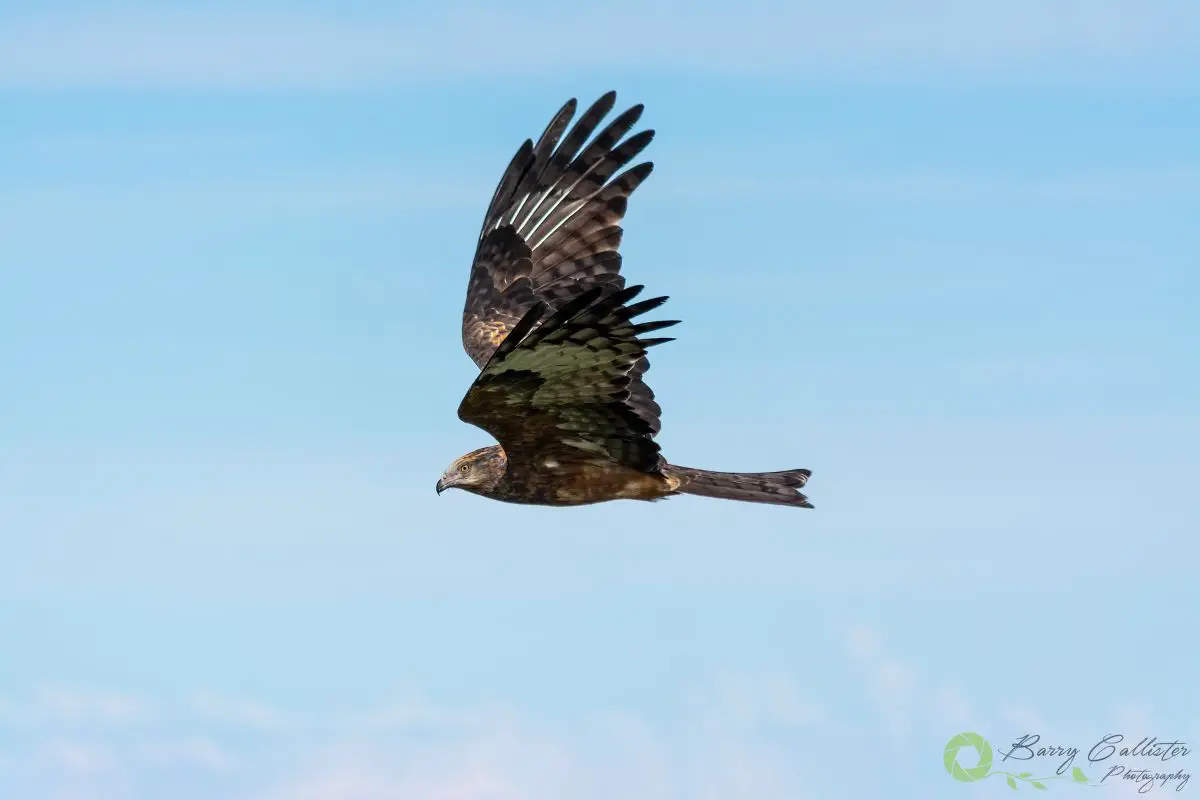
[{"x": 551, "y": 325}]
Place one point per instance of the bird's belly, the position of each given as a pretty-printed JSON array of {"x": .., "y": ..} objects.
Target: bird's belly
[{"x": 583, "y": 484}]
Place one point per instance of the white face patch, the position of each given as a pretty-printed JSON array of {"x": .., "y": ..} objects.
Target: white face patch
[{"x": 550, "y": 463}]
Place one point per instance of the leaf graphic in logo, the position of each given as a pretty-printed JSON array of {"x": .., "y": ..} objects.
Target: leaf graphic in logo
[
  {"x": 1012, "y": 784},
  {"x": 1078, "y": 776},
  {"x": 1037, "y": 785},
  {"x": 1025, "y": 775}
]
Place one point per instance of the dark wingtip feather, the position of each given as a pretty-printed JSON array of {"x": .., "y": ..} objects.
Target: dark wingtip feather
[
  {"x": 572, "y": 309},
  {"x": 628, "y": 118},
  {"x": 564, "y": 114},
  {"x": 638, "y": 142},
  {"x": 647, "y": 327},
  {"x": 599, "y": 109},
  {"x": 648, "y": 343},
  {"x": 555, "y": 127},
  {"x": 623, "y": 296},
  {"x": 633, "y": 177},
  {"x": 629, "y": 312}
]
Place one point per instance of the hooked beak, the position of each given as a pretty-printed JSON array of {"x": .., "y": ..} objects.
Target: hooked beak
[{"x": 441, "y": 485}]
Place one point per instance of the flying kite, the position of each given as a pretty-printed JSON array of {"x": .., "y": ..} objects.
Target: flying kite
[{"x": 551, "y": 325}]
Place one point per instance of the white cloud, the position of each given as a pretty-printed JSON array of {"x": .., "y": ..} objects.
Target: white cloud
[
  {"x": 609, "y": 759},
  {"x": 74, "y": 758},
  {"x": 241, "y": 713},
  {"x": 890, "y": 682},
  {"x": 863, "y": 643},
  {"x": 749, "y": 736},
  {"x": 893, "y": 679},
  {"x": 894, "y": 686},
  {"x": 900, "y": 700},
  {"x": 495, "y": 753},
  {"x": 483, "y": 769},
  {"x": 200, "y": 753},
  {"x": 295, "y": 49},
  {"x": 412, "y": 712},
  {"x": 81, "y": 705},
  {"x": 741, "y": 704}
]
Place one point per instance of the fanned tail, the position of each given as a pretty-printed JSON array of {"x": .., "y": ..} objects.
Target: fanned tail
[{"x": 776, "y": 488}]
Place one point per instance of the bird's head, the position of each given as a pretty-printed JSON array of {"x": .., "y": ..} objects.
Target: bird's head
[{"x": 478, "y": 471}]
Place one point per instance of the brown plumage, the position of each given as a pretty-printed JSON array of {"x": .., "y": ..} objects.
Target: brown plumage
[{"x": 550, "y": 323}]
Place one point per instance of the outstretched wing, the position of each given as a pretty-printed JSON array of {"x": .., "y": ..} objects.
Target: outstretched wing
[
  {"x": 561, "y": 390},
  {"x": 552, "y": 230}
]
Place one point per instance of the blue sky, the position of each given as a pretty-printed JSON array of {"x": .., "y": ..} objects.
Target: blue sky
[{"x": 942, "y": 255}]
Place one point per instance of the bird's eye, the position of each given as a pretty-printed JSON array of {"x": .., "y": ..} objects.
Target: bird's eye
[{"x": 465, "y": 468}]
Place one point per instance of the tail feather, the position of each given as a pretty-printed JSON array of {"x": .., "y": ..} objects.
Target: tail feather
[{"x": 777, "y": 488}]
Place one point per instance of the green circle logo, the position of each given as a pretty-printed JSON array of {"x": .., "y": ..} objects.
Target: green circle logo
[{"x": 982, "y": 748}]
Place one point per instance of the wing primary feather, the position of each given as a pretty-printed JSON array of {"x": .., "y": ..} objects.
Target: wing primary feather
[
  {"x": 616, "y": 159},
  {"x": 512, "y": 175},
  {"x": 614, "y": 300},
  {"x": 583, "y": 128},
  {"x": 554, "y": 129},
  {"x": 623, "y": 296},
  {"x": 541, "y": 155},
  {"x": 613, "y": 132},
  {"x": 562, "y": 158},
  {"x": 637, "y": 309},
  {"x": 598, "y": 167},
  {"x": 600, "y": 164},
  {"x": 648, "y": 327},
  {"x": 567, "y": 312},
  {"x": 563, "y": 244},
  {"x": 624, "y": 184}
]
